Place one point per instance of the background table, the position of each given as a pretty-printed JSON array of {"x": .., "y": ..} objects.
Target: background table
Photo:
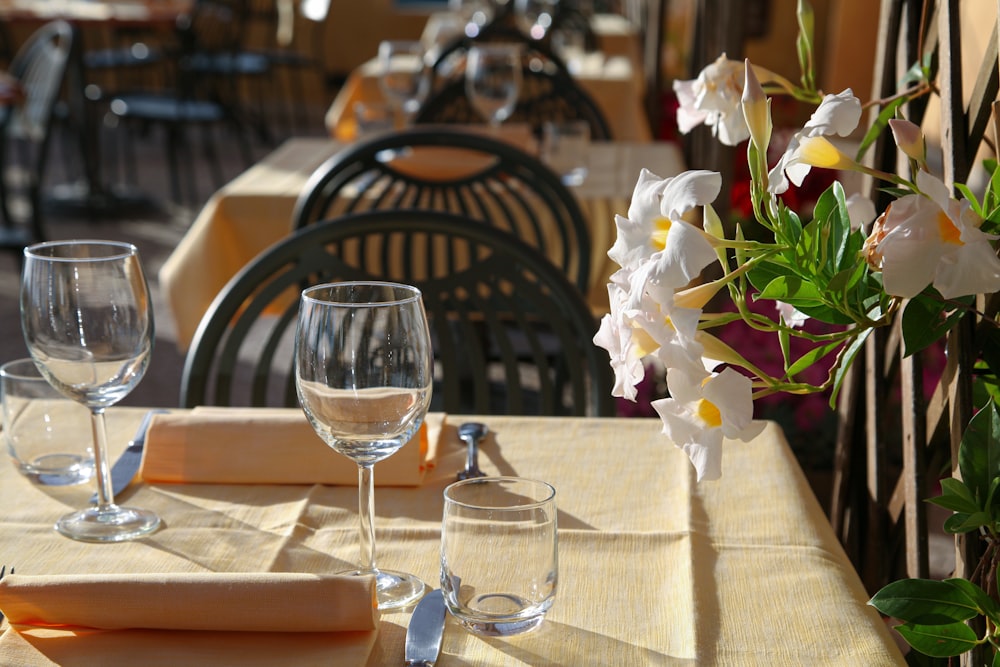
[
  {"x": 654, "y": 569},
  {"x": 614, "y": 83},
  {"x": 255, "y": 211}
]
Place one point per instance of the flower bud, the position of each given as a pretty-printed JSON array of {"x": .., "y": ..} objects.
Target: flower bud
[
  {"x": 818, "y": 151},
  {"x": 909, "y": 138},
  {"x": 756, "y": 109}
]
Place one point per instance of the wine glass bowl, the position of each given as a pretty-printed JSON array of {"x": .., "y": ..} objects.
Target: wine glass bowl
[
  {"x": 493, "y": 80},
  {"x": 88, "y": 322},
  {"x": 363, "y": 375},
  {"x": 403, "y": 76}
]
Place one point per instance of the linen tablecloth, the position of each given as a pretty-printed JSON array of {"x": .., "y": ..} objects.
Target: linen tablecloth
[
  {"x": 255, "y": 210},
  {"x": 653, "y": 568}
]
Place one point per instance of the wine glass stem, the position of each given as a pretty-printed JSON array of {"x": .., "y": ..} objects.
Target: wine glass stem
[
  {"x": 105, "y": 494},
  {"x": 366, "y": 511}
]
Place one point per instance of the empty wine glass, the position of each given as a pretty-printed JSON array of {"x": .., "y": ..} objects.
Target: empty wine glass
[
  {"x": 88, "y": 323},
  {"x": 403, "y": 76},
  {"x": 363, "y": 374},
  {"x": 493, "y": 80}
]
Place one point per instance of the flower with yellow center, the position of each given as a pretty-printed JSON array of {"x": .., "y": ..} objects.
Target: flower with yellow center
[
  {"x": 932, "y": 238},
  {"x": 704, "y": 408}
]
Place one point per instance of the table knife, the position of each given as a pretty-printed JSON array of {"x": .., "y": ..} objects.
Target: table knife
[
  {"x": 127, "y": 465},
  {"x": 423, "y": 636}
]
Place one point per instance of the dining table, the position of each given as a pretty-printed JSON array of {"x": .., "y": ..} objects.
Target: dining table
[
  {"x": 654, "y": 568},
  {"x": 254, "y": 211},
  {"x": 613, "y": 80}
]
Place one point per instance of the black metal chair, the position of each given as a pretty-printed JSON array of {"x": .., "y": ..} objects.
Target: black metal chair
[
  {"x": 40, "y": 67},
  {"x": 548, "y": 90},
  {"x": 492, "y": 302},
  {"x": 194, "y": 97},
  {"x": 448, "y": 168}
]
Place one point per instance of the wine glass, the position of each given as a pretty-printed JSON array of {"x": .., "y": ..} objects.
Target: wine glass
[
  {"x": 403, "y": 76},
  {"x": 88, "y": 323},
  {"x": 493, "y": 80},
  {"x": 363, "y": 374}
]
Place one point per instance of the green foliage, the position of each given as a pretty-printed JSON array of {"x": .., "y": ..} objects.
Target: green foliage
[
  {"x": 926, "y": 320},
  {"x": 934, "y": 613}
]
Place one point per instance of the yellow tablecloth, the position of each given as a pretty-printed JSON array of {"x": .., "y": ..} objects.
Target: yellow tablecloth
[
  {"x": 654, "y": 569},
  {"x": 614, "y": 83},
  {"x": 255, "y": 210}
]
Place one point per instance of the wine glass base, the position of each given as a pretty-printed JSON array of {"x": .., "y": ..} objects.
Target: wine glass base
[
  {"x": 112, "y": 523},
  {"x": 394, "y": 589}
]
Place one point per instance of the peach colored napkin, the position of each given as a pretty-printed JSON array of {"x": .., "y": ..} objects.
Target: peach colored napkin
[
  {"x": 211, "y": 445},
  {"x": 261, "y": 602}
]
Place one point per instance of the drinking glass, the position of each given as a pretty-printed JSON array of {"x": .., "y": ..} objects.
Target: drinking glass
[
  {"x": 403, "y": 77},
  {"x": 499, "y": 553},
  {"x": 493, "y": 80},
  {"x": 88, "y": 323},
  {"x": 46, "y": 433},
  {"x": 363, "y": 374}
]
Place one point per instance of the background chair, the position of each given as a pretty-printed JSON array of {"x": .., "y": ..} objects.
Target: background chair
[
  {"x": 450, "y": 169},
  {"x": 476, "y": 281},
  {"x": 548, "y": 90},
  {"x": 26, "y": 130},
  {"x": 195, "y": 96}
]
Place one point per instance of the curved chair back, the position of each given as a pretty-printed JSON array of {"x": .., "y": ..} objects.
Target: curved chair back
[
  {"x": 547, "y": 94},
  {"x": 459, "y": 171},
  {"x": 40, "y": 67},
  {"x": 511, "y": 334}
]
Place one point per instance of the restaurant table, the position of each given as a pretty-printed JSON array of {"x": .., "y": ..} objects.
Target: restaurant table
[
  {"x": 255, "y": 210},
  {"x": 654, "y": 568},
  {"x": 614, "y": 83}
]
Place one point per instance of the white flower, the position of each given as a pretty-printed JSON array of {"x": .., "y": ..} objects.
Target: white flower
[
  {"x": 714, "y": 99},
  {"x": 837, "y": 114},
  {"x": 792, "y": 316},
  {"x": 654, "y": 229},
  {"x": 861, "y": 211},
  {"x": 934, "y": 239},
  {"x": 702, "y": 410}
]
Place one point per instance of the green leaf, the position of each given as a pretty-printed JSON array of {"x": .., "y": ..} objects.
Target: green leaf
[
  {"x": 956, "y": 497},
  {"x": 925, "y": 322},
  {"x": 939, "y": 641},
  {"x": 979, "y": 452},
  {"x": 987, "y": 605},
  {"x": 960, "y": 522},
  {"x": 925, "y": 601},
  {"x": 811, "y": 357},
  {"x": 848, "y": 358}
]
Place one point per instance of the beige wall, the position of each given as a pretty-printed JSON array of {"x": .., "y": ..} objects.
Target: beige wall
[{"x": 355, "y": 27}]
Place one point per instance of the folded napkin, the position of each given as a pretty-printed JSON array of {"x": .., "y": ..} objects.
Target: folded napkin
[
  {"x": 264, "y": 602},
  {"x": 210, "y": 445}
]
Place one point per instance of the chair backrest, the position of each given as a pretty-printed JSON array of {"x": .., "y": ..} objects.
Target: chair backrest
[
  {"x": 894, "y": 441},
  {"x": 447, "y": 168},
  {"x": 547, "y": 94},
  {"x": 548, "y": 90},
  {"x": 40, "y": 66},
  {"x": 511, "y": 334}
]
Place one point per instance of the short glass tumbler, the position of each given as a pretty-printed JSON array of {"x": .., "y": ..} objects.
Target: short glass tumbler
[
  {"x": 47, "y": 434},
  {"x": 499, "y": 554}
]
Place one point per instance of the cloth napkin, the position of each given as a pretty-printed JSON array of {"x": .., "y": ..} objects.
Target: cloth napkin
[
  {"x": 263, "y": 602},
  {"x": 212, "y": 445}
]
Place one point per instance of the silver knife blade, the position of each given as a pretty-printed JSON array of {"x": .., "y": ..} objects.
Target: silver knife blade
[
  {"x": 423, "y": 636},
  {"x": 127, "y": 465}
]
